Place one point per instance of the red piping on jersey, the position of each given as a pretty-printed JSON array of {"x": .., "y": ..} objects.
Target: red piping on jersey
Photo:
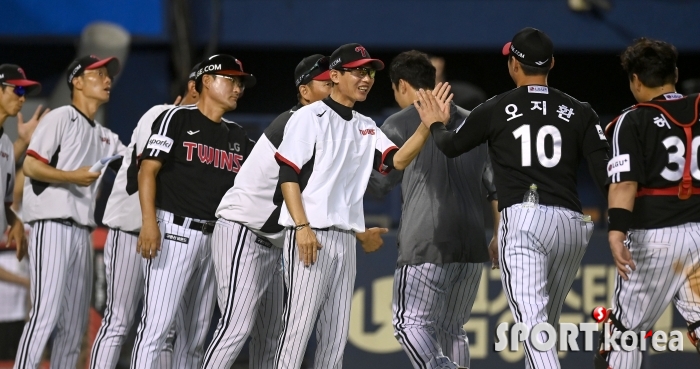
[
  {"x": 284, "y": 160},
  {"x": 685, "y": 189},
  {"x": 384, "y": 154},
  {"x": 36, "y": 156}
]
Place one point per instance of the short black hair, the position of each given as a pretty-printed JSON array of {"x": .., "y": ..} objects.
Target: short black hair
[
  {"x": 413, "y": 67},
  {"x": 530, "y": 70},
  {"x": 198, "y": 84},
  {"x": 653, "y": 61}
]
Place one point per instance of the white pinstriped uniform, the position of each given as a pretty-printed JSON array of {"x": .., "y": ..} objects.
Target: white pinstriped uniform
[
  {"x": 123, "y": 269},
  {"x": 530, "y": 238},
  {"x": 60, "y": 248},
  {"x": 182, "y": 270},
  {"x": 664, "y": 240}
]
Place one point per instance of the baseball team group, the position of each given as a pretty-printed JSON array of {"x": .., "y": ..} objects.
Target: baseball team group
[{"x": 200, "y": 214}]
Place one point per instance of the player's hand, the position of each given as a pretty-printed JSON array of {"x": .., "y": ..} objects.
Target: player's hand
[
  {"x": 25, "y": 130},
  {"x": 621, "y": 254},
  {"x": 148, "y": 244},
  {"x": 308, "y": 246},
  {"x": 434, "y": 109},
  {"x": 83, "y": 176},
  {"x": 493, "y": 252},
  {"x": 371, "y": 239},
  {"x": 17, "y": 237},
  {"x": 177, "y": 100}
]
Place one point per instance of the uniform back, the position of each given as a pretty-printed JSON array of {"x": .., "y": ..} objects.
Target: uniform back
[
  {"x": 648, "y": 148},
  {"x": 538, "y": 134}
]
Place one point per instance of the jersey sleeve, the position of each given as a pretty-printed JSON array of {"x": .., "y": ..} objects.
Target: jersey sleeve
[
  {"x": 593, "y": 135},
  {"x": 47, "y": 137},
  {"x": 487, "y": 180},
  {"x": 142, "y": 132},
  {"x": 626, "y": 158},
  {"x": 299, "y": 140},
  {"x": 165, "y": 134},
  {"x": 470, "y": 134},
  {"x": 384, "y": 153}
]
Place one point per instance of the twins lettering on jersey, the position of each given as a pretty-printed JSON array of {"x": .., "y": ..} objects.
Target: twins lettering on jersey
[
  {"x": 368, "y": 131},
  {"x": 219, "y": 158},
  {"x": 4, "y": 155}
]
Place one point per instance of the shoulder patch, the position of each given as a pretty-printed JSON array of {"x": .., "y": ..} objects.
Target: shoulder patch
[
  {"x": 160, "y": 142},
  {"x": 538, "y": 89},
  {"x": 618, "y": 164}
]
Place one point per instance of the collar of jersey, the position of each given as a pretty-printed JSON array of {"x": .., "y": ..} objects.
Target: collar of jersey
[
  {"x": 296, "y": 107},
  {"x": 342, "y": 110},
  {"x": 663, "y": 96},
  {"x": 92, "y": 123}
]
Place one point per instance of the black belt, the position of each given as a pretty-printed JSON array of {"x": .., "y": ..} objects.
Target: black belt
[
  {"x": 204, "y": 227},
  {"x": 68, "y": 222}
]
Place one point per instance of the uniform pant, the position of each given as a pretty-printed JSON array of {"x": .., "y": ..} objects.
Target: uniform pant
[
  {"x": 322, "y": 291},
  {"x": 124, "y": 275},
  {"x": 60, "y": 272},
  {"x": 250, "y": 290},
  {"x": 431, "y": 304},
  {"x": 179, "y": 286},
  {"x": 667, "y": 261},
  {"x": 540, "y": 251}
]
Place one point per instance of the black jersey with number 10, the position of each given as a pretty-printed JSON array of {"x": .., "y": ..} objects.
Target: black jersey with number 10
[
  {"x": 200, "y": 160},
  {"x": 536, "y": 134}
]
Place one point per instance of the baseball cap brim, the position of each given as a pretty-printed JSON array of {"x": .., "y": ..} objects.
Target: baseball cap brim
[
  {"x": 374, "y": 63},
  {"x": 111, "y": 63},
  {"x": 249, "y": 80},
  {"x": 32, "y": 87},
  {"x": 325, "y": 76},
  {"x": 506, "y": 48}
]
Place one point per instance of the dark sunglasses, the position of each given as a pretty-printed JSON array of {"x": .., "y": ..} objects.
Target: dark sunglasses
[
  {"x": 321, "y": 63},
  {"x": 361, "y": 72},
  {"x": 18, "y": 90}
]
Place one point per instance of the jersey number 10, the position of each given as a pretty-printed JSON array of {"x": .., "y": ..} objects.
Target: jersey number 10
[
  {"x": 678, "y": 157},
  {"x": 523, "y": 132}
]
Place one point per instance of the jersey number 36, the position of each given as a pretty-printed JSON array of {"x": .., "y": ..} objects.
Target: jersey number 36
[
  {"x": 523, "y": 133},
  {"x": 678, "y": 157}
]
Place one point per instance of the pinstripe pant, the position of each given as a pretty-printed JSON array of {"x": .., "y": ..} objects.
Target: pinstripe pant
[
  {"x": 179, "y": 286},
  {"x": 251, "y": 296},
  {"x": 322, "y": 291},
  {"x": 540, "y": 251},
  {"x": 124, "y": 275},
  {"x": 60, "y": 270},
  {"x": 667, "y": 261},
  {"x": 431, "y": 304}
]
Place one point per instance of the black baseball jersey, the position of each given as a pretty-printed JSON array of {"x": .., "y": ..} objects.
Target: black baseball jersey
[
  {"x": 200, "y": 160},
  {"x": 536, "y": 134},
  {"x": 650, "y": 149}
]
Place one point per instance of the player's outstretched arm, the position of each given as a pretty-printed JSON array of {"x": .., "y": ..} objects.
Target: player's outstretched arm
[
  {"x": 371, "y": 239},
  {"x": 43, "y": 172},
  {"x": 149, "y": 237},
  {"x": 306, "y": 238},
  {"x": 430, "y": 105},
  {"x": 620, "y": 205}
]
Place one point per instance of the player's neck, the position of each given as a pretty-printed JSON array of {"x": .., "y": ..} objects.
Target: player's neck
[
  {"x": 210, "y": 109},
  {"x": 524, "y": 80},
  {"x": 86, "y": 106},
  {"x": 648, "y": 93},
  {"x": 342, "y": 99},
  {"x": 3, "y": 117}
]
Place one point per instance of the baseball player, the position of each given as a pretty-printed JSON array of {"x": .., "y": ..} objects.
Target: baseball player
[
  {"x": 122, "y": 264},
  {"x": 14, "y": 279},
  {"x": 247, "y": 241},
  {"x": 59, "y": 193},
  {"x": 190, "y": 161},
  {"x": 326, "y": 156},
  {"x": 536, "y": 135},
  {"x": 654, "y": 202},
  {"x": 441, "y": 239}
]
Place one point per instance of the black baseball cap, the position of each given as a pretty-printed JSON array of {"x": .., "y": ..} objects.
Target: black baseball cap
[
  {"x": 14, "y": 75},
  {"x": 193, "y": 72},
  {"x": 225, "y": 65},
  {"x": 88, "y": 62},
  {"x": 531, "y": 47},
  {"x": 353, "y": 56},
  {"x": 312, "y": 68}
]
